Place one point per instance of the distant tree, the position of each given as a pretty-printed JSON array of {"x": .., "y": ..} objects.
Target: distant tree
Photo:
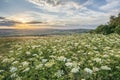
[
  {"x": 113, "y": 26},
  {"x": 117, "y": 29}
]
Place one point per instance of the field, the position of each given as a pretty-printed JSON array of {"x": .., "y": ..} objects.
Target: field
[{"x": 67, "y": 57}]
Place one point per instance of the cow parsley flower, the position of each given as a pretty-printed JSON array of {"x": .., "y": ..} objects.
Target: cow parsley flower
[
  {"x": 27, "y": 69},
  {"x": 95, "y": 69},
  {"x": 1, "y": 71},
  {"x": 69, "y": 64},
  {"x": 13, "y": 75},
  {"x": 88, "y": 70},
  {"x": 105, "y": 68},
  {"x": 59, "y": 73},
  {"x": 25, "y": 63},
  {"x": 13, "y": 69},
  {"x": 44, "y": 60},
  {"x": 49, "y": 64},
  {"x": 97, "y": 60},
  {"x": 62, "y": 58},
  {"x": 28, "y": 53},
  {"x": 39, "y": 66},
  {"x": 75, "y": 70}
]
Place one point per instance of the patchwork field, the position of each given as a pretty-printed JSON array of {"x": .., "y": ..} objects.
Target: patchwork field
[{"x": 69, "y": 57}]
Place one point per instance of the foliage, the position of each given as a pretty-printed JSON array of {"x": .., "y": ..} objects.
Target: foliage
[
  {"x": 73, "y": 57},
  {"x": 113, "y": 26}
]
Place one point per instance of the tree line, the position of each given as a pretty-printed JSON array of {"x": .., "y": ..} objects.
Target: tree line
[{"x": 113, "y": 26}]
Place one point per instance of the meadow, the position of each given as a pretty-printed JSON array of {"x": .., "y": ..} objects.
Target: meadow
[{"x": 67, "y": 57}]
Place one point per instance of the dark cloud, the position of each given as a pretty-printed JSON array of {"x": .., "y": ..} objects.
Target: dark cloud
[
  {"x": 34, "y": 22},
  {"x": 7, "y": 22},
  {"x": 2, "y": 18}
]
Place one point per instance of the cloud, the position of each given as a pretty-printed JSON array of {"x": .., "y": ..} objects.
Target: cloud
[
  {"x": 34, "y": 22},
  {"x": 64, "y": 13},
  {"x": 2, "y": 18},
  {"x": 7, "y": 22},
  {"x": 58, "y": 5},
  {"x": 111, "y": 5}
]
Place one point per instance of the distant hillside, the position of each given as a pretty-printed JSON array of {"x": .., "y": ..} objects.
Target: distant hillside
[
  {"x": 39, "y": 32},
  {"x": 113, "y": 26}
]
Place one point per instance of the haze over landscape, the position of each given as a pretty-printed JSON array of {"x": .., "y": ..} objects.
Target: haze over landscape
[{"x": 56, "y": 14}]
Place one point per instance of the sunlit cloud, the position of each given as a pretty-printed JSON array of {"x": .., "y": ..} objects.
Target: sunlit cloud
[{"x": 59, "y": 12}]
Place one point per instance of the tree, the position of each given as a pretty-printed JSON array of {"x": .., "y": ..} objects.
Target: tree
[{"x": 113, "y": 26}]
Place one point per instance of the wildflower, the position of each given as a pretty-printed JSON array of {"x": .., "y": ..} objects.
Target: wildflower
[
  {"x": 15, "y": 62},
  {"x": 25, "y": 63},
  {"x": 69, "y": 64},
  {"x": 68, "y": 60},
  {"x": 97, "y": 59},
  {"x": 105, "y": 56},
  {"x": 28, "y": 53},
  {"x": 18, "y": 78},
  {"x": 27, "y": 69},
  {"x": 75, "y": 70},
  {"x": 39, "y": 66},
  {"x": 5, "y": 60},
  {"x": 44, "y": 60},
  {"x": 49, "y": 64},
  {"x": 59, "y": 73},
  {"x": 35, "y": 55},
  {"x": 62, "y": 58},
  {"x": 1, "y": 71},
  {"x": 88, "y": 70},
  {"x": 13, "y": 75},
  {"x": 105, "y": 68},
  {"x": 13, "y": 69},
  {"x": 95, "y": 69},
  {"x": 82, "y": 79}
]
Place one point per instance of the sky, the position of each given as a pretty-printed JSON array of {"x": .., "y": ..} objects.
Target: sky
[{"x": 59, "y": 14}]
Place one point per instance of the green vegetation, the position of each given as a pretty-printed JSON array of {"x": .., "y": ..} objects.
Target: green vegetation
[
  {"x": 73, "y": 57},
  {"x": 113, "y": 26}
]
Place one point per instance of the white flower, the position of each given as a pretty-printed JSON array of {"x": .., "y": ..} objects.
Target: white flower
[
  {"x": 5, "y": 60},
  {"x": 39, "y": 66},
  {"x": 49, "y": 64},
  {"x": 1, "y": 71},
  {"x": 75, "y": 70},
  {"x": 62, "y": 58},
  {"x": 82, "y": 79},
  {"x": 13, "y": 75},
  {"x": 59, "y": 73},
  {"x": 15, "y": 62},
  {"x": 97, "y": 59},
  {"x": 88, "y": 70},
  {"x": 105, "y": 68},
  {"x": 25, "y": 63},
  {"x": 27, "y": 69},
  {"x": 105, "y": 56},
  {"x": 35, "y": 55},
  {"x": 69, "y": 64},
  {"x": 95, "y": 69},
  {"x": 13, "y": 69},
  {"x": 68, "y": 60},
  {"x": 18, "y": 78},
  {"x": 28, "y": 53},
  {"x": 44, "y": 60}
]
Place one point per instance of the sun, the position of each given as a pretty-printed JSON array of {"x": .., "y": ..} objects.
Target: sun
[{"x": 22, "y": 20}]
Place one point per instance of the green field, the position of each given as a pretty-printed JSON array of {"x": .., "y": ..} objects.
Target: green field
[{"x": 69, "y": 57}]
